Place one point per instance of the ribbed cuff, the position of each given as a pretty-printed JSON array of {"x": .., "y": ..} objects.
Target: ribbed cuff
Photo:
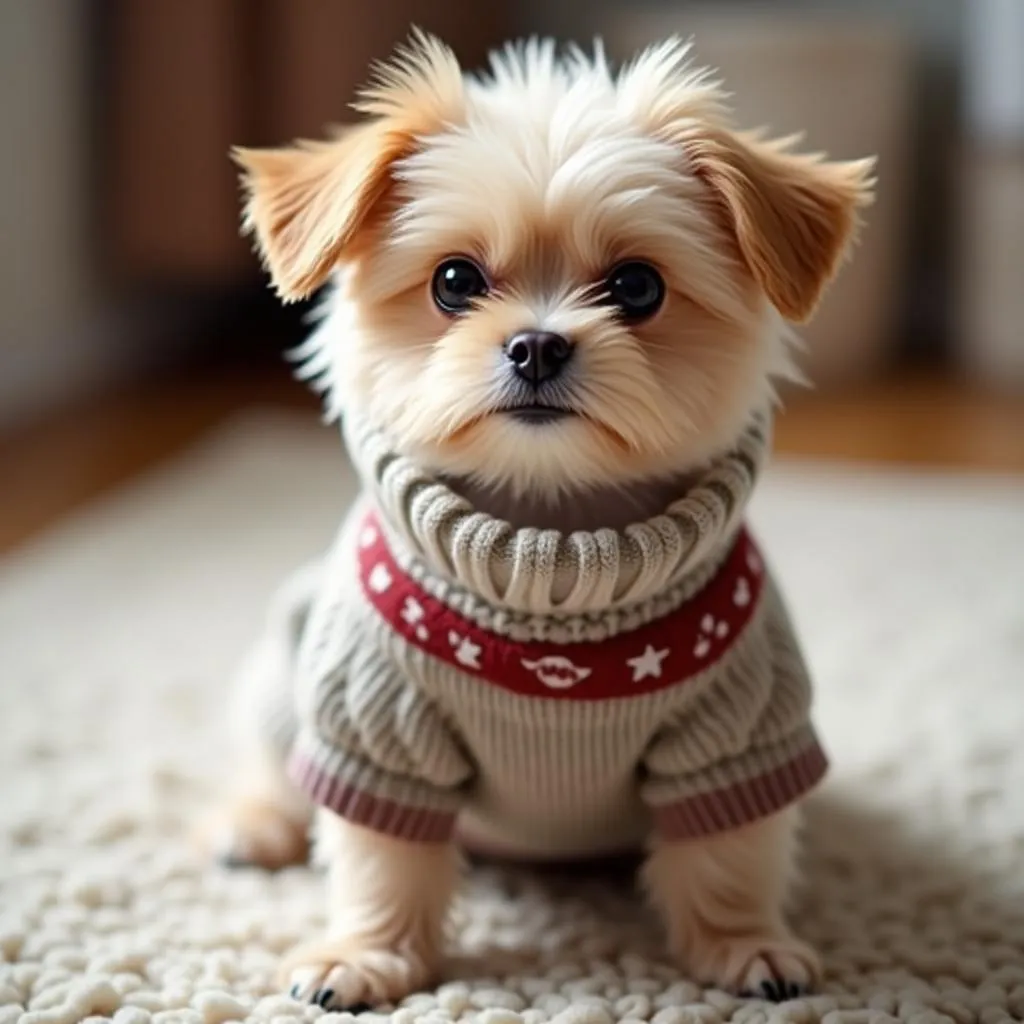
[
  {"x": 361, "y": 807},
  {"x": 742, "y": 803}
]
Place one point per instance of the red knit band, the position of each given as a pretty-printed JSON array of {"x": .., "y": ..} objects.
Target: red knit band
[
  {"x": 744, "y": 802},
  {"x": 416, "y": 824},
  {"x": 682, "y": 644}
]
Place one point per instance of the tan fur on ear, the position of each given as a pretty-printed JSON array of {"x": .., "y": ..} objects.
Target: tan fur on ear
[
  {"x": 794, "y": 215},
  {"x": 306, "y": 202}
]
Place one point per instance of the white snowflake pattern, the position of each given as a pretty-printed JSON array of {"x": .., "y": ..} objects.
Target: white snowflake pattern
[
  {"x": 754, "y": 563},
  {"x": 710, "y": 628},
  {"x": 466, "y": 652},
  {"x": 413, "y": 613},
  {"x": 368, "y": 536},
  {"x": 380, "y": 578},
  {"x": 741, "y": 593}
]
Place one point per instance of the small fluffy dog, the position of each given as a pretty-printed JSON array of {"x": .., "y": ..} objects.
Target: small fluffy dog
[{"x": 559, "y": 304}]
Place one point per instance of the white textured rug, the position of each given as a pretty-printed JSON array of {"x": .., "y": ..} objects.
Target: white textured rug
[{"x": 117, "y": 633}]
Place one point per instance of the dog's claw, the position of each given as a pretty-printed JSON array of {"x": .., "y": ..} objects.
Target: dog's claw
[
  {"x": 776, "y": 968},
  {"x": 778, "y": 990},
  {"x": 233, "y": 862},
  {"x": 352, "y": 982}
]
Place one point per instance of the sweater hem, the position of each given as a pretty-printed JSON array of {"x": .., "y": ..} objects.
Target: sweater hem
[
  {"x": 743, "y": 803},
  {"x": 414, "y": 824}
]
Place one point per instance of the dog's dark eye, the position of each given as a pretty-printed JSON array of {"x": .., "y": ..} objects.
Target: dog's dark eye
[
  {"x": 637, "y": 289},
  {"x": 457, "y": 282}
]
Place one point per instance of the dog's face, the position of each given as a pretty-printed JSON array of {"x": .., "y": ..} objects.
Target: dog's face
[{"x": 556, "y": 277}]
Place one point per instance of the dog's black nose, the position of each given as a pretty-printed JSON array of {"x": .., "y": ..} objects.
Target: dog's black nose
[{"x": 538, "y": 355}]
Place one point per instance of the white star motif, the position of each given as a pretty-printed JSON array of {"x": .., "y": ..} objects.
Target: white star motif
[
  {"x": 648, "y": 663},
  {"x": 379, "y": 579},
  {"x": 367, "y": 537}
]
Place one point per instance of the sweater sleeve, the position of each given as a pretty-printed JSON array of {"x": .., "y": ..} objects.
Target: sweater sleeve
[
  {"x": 744, "y": 748},
  {"x": 371, "y": 747}
]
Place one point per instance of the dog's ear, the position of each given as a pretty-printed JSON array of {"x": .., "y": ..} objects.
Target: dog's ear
[
  {"x": 306, "y": 203},
  {"x": 793, "y": 215}
]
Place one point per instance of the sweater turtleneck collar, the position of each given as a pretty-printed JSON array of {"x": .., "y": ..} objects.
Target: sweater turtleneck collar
[{"x": 546, "y": 572}]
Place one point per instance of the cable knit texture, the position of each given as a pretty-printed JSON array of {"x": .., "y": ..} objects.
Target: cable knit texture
[
  {"x": 119, "y": 630},
  {"x": 536, "y": 581},
  {"x": 548, "y": 694}
]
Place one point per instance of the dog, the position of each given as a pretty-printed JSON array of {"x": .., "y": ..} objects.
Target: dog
[{"x": 561, "y": 297}]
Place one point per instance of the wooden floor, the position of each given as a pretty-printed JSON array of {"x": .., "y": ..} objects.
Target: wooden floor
[{"x": 49, "y": 471}]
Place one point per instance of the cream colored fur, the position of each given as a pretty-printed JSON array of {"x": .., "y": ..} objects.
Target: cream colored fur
[
  {"x": 723, "y": 900},
  {"x": 263, "y": 820},
  {"x": 548, "y": 172},
  {"x": 387, "y": 904}
]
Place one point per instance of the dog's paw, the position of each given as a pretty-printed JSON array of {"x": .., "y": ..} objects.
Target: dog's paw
[
  {"x": 254, "y": 833},
  {"x": 344, "y": 978},
  {"x": 776, "y": 968}
]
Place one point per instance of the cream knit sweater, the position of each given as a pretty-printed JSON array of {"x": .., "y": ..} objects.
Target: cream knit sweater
[{"x": 537, "y": 693}]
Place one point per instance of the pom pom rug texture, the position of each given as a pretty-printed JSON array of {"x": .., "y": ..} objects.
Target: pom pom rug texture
[{"x": 120, "y": 629}]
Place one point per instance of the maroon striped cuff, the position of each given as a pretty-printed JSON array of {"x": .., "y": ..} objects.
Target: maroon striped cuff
[
  {"x": 744, "y": 802},
  {"x": 415, "y": 824}
]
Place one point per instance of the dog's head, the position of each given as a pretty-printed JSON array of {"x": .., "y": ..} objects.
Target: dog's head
[{"x": 555, "y": 276}]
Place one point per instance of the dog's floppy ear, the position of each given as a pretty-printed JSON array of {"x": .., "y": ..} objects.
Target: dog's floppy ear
[
  {"x": 793, "y": 215},
  {"x": 305, "y": 203}
]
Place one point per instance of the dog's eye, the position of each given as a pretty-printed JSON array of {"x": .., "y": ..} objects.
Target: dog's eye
[
  {"x": 457, "y": 282},
  {"x": 637, "y": 289}
]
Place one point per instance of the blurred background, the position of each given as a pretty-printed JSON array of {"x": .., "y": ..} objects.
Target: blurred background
[{"x": 133, "y": 316}]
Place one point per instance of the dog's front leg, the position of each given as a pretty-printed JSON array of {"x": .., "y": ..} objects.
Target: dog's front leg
[
  {"x": 722, "y": 899},
  {"x": 387, "y": 903}
]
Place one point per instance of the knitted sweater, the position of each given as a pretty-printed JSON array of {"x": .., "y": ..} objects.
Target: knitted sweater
[{"x": 541, "y": 693}]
